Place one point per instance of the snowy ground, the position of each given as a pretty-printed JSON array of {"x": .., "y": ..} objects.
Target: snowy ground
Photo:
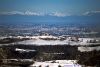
[
  {"x": 56, "y": 63},
  {"x": 84, "y": 49},
  {"x": 54, "y": 40},
  {"x": 36, "y": 40}
]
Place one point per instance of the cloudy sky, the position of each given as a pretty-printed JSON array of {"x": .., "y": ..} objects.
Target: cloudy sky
[
  {"x": 50, "y": 7},
  {"x": 49, "y": 11}
]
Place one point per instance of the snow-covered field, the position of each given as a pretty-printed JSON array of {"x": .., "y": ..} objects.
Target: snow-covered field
[
  {"x": 83, "y": 49},
  {"x": 56, "y": 63},
  {"x": 59, "y": 40},
  {"x": 39, "y": 40}
]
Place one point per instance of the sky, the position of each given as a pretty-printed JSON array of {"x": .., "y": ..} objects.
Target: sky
[
  {"x": 56, "y": 7},
  {"x": 58, "y": 10}
]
